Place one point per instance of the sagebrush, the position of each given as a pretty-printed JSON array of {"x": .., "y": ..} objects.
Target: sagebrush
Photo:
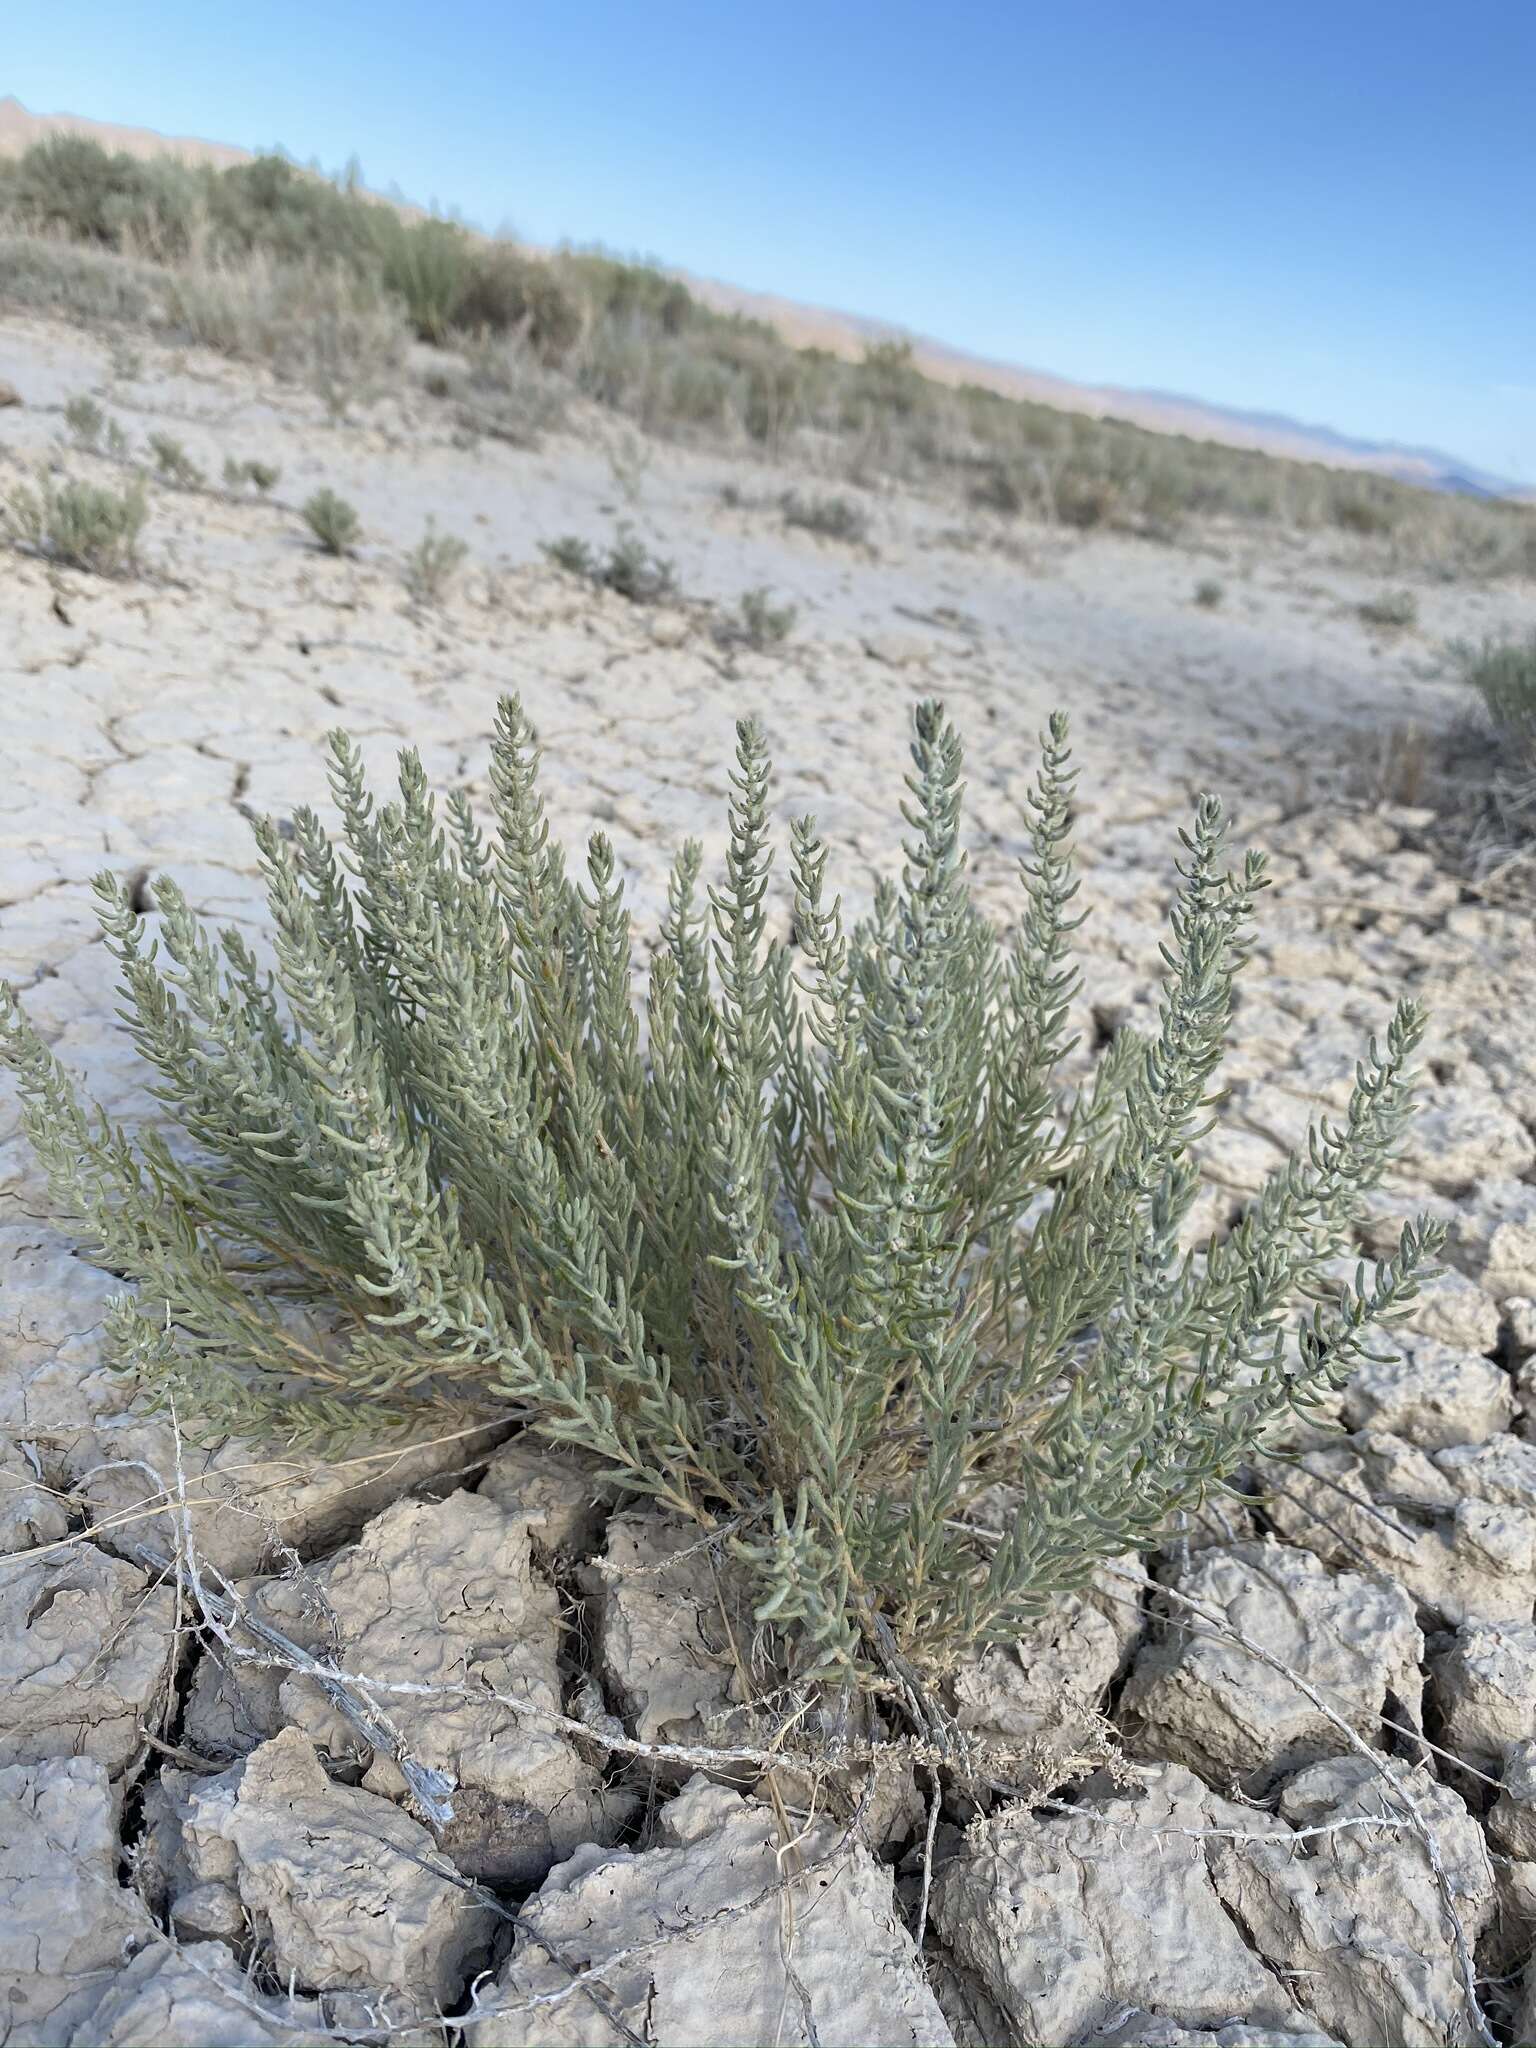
[
  {"x": 1393, "y": 610},
  {"x": 240, "y": 471},
  {"x": 86, "y": 421},
  {"x": 833, "y": 518},
  {"x": 757, "y": 621},
  {"x": 628, "y": 568},
  {"x": 82, "y": 525},
  {"x": 811, "y": 1243},
  {"x": 432, "y": 564},
  {"x": 1503, "y": 673},
  {"x": 333, "y": 522},
  {"x": 173, "y": 464}
]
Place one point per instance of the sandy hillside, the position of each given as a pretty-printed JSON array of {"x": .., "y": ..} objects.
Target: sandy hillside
[{"x": 182, "y": 1801}]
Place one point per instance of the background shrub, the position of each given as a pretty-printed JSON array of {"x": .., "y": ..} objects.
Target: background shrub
[
  {"x": 81, "y": 524},
  {"x": 628, "y": 567},
  {"x": 1394, "y": 610},
  {"x": 505, "y": 392},
  {"x": 261, "y": 476},
  {"x": 426, "y": 264},
  {"x": 82, "y": 283},
  {"x": 432, "y": 564},
  {"x": 833, "y": 518},
  {"x": 757, "y": 622},
  {"x": 1503, "y": 673},
  {"x": 86, "y": 422},
  {"x": 333, "y": 522},
  {"x": 505, "y": 291},
  {"x": 173, "y": 464}
]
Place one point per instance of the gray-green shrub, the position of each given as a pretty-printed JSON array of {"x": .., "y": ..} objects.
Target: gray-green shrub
[
  {"x": 813, "y": 1247},
  {"x": 506, "y": 392},
  {"x": 432, "y": 564},
  {"x": 757, "y": 621},
  {"x": 261, "y": 476},
  {"x": 173, "y": 464},
  {"x": 81, "y": 525},
  {"x": 833, "y": 518},
  {"x": 506, "y": 291},
  {"x": 1393, "y": 611},
  {"x": 628, "y": 567},
  {"x": 426, "y": 264},
  {"x": 333, "y": 522},
  {"x": 1503, "y": 673},
  {"x": 86, "y": 421}
]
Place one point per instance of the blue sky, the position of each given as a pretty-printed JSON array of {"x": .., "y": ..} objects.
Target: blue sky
[{"x": 1318, "y": 209}]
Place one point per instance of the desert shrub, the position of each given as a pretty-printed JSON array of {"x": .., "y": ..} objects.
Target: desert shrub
[
  {"x": 69, "y": 185},
  {"x": 86, "y": 421},
  {"x": 633, "y": 571},
  {"x": 341, "y": 335},
  {"x": 1365, "y": 505},
  {"x": 833, "y": 518},
  {"x": 777, "y": 399},
  {"x": 1163, "y": 497},
  {"x": 432, "y": 564},
  {"x": 506, "y": 291},
  {"x": 261, "y": 476},
  {"x": 616, "y": 366},
  {"x": 47, "y": 275},
  {"x": 505, "y": 392},
  {"x": 293, "y": 216},
  {"x": 757, "y": 622},
  {"x": 92, "y": 428},
  {"x": 628, "y": 567},
  {"x": 173, "y": 464},
  {"x": 1394, "y": 610},
  {"x": 695, "y": 390},
  {"x": 1209, "y": 593},
  {"x": 887, "y": 379},
  {"x": 1000, "y": 488},
  {"x": 1085, "y": 498},
  {"x": 619, "y": 290},
  {"x": 1503, "y": 673},
  {"x": 426, "y": 264},
  {"x": 576, "y": 556},
  {"x": 821, "y": 1270},
  {"x": 81, "y": 524},
  {"x": 333, "y": 522}
]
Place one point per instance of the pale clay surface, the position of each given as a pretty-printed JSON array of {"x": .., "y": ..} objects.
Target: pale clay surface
[{"x": 142, "y": 724}]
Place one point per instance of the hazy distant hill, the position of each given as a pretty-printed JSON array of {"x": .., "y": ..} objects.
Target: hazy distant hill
[
  {"x": 19, "y": 129},
  {"x": 848, "y": 334}
]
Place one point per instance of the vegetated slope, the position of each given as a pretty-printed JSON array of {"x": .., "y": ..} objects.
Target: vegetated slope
[{"x": 849, "y": 334}]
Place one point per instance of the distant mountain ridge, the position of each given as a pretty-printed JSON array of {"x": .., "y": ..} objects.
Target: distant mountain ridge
[{"x": 849, "y": 333}]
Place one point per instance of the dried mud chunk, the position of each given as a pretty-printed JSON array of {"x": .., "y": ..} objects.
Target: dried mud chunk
[
  {"x": 444, "y": 1596},
  {"x": 342, "y": 1890},
  {"x": 1205, "y": 1701},
  {"x": 85, "y": 1656},
  {"x": 66, "y": 1925},
  {"x": 1066, "y": 1922},
  {"x": 695, "y": 1930},
  {"x": 1354, "y": 1915}
]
